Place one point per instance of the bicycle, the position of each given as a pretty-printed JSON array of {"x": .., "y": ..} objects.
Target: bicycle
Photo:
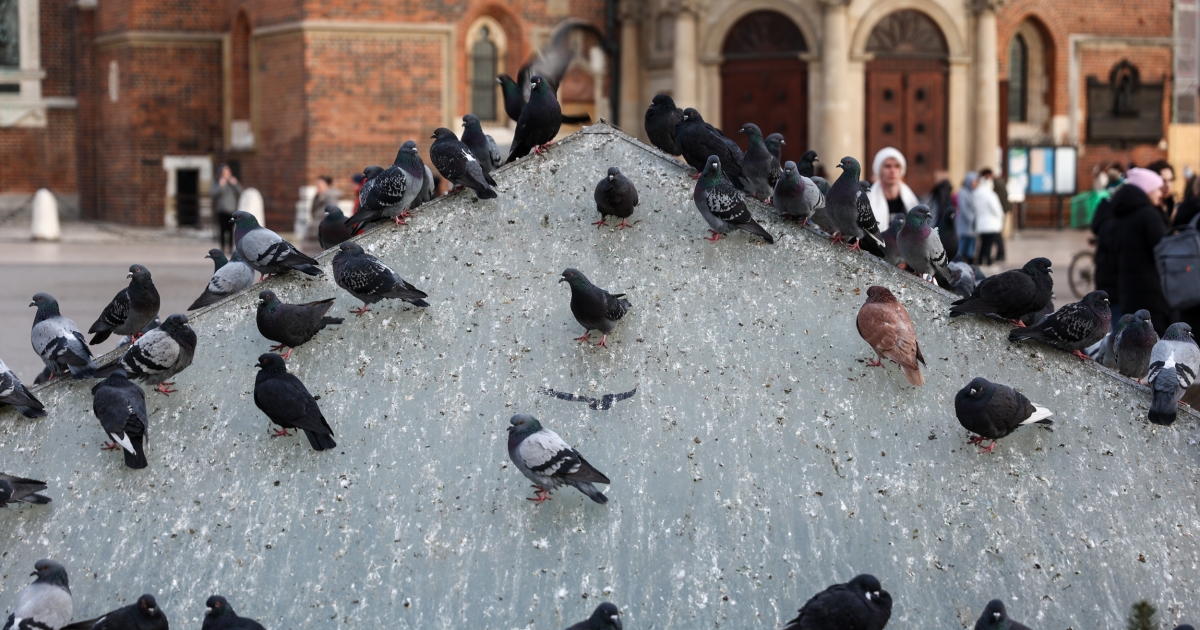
[{"x": 1081, "y": 275}]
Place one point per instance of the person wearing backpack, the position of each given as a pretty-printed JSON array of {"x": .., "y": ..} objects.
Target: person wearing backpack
[{"x": 1136, "y": 226}]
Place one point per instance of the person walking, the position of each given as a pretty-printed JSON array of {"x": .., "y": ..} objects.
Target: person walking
[
  {"x": 964, "y": 219},
  {"x": 225, "y": 193},
  {"x": 989, "y": 216},
  {"x": 1136, "y": 226},
  {"x": 889, "y": 194}
]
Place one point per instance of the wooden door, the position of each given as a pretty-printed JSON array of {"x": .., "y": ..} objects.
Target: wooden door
[
  {"x": 906, "y": 109},
  {"x": 771, "y": 93}
]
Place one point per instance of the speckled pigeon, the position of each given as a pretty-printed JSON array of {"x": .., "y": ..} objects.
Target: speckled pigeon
[
  {"x": 593, "y": 307},
  {"x": 1173, "y": 365},
  {"x": 1132, "y": 345},
  {"x": 46, "y": 604},
  {"x": 723, "y": 206},
  {"x": 291, "y": 325},
  {"x": 994, "y": 617},
  {"x": 605, "y": 617},
  {"x": 1011, "y": 294},
  {"x": 265, "y": 251},
  {"x": 391, "y": 192},
  {"x": 229, "y": 279},
  {"x": 541, "y": 118},
  {"x": 144, "y": 614},
  {"x": 615, "y": 197},
  {"x": 130, "y": 309},
  {"x": 482, "y": 146},
  {"x": 795, "y": 196},
  {"x": 873, "y": 242},
  {"x": 775, "y": 143},
  {"x": 13, "y": 392},
  {"x": 697, "y": 141},
  {"x": 218, "y": 258},
  {"x": 458, "y": 165},
  {"x": 850, "y": 222},
  {"x": 549, "y": 462},
  {"x": 860, "y": 604},
  {"x": 159, "y": 355},
  {"x": 286, "y": 402},
  {"x": 992, "y": 411},
  {"x": 883, "y": 323},
  {"x": 661, "y": 119},
  {"x": 1072, "y": 327},
  {"x": 761, "y": 169},
  {"x": 962, "y": 277},
  {"x": 368, "y": 279},
  {"x": 333, "y": 229},
  {"x": 921, "y": 246},
  {"x": 220, "y": 616},
  {"x": 120, "y": 405},
  {"x": 58, "y": 342},
  {"x": 807, "y": 164},
  {"x": 21, "y": 490}
]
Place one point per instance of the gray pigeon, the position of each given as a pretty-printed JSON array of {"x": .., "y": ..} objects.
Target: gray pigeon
[
  {"x": 860, "y": 604},
  {"x": 1072, "y": 327},
  {"x": 392, "y": 191},
  {"x": 1173, "y": 365},
  {"x": 428, "y": 189},
  {"x": 13, "y": 392},
  {"x": 291, "y": 325},
  {"x": 605, "y": 617},
  {"x": 593, "y": 307},
  {"x": 540, "y": 121},
  {"x": 994, "y": 617},
  {"x": 615, "y": 197},
  {"x": 368, "y": 279},
  {"x": 807, "y": 163},
  {"x": 722, "y": 205},
  {"x": 962, "y": 277},
  {"x": 333, "y": 229},
  {"x": 458, "y": 165},
  {"x": 549, "y": 462},
  {"x": 891, "y": 251},
  {"x": 120, "y": 405},
  {"x": 21, "y": 490},
  {"x": 130, "y": 309},
  {"x": 58, "y": 341},
  {"x": 921, "y": 246},
  {"x": 842, "y": 206},
  {"x": 218, "y": 258},
  {"x": 45, "y": 604},
  {"x": 1132, "y": 345},
  {"x": 796, "y": 196},
  {"x": 265, "y": 251},
  {"x": 227, "y": 280},
  {"x": 760, "y": 168},
  {"x": 482, "y": 146},
  {"x": 993, "y": 411},
  {"x": 160, "y": 354}
]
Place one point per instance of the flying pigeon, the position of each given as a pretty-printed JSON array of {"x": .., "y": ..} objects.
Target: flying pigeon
[
  {"x": 287, "y": 403},
  {"x": 291, "y": 325},
  {"x": 992, "y": 411},
  {"x": 722, "y": 206},
  {"x": 1133, "y": 343},
  {"x": 921, "y": 246},
  {"x": 761, "y": 169},
  {"x": 962, "y": 278},
  {"x": 392, "y": 191},
  {"x": 807, "y": 164},
  {"x": 220, "y": 616},
  {"x": 458, "y": 165},
  {"x": 1173, "y": 365},
  {"x": 539, "y": 123},
  {"x": 144, "y": 614},
  {"x": 796, "y": 196},
  {"x": 1072, "y": 327},
  {"x": 121, "y": 407},
  {"x": 159, "y": 355},
  {"x": 482, "y": 146},
  {"x": 615, "y": 197},
  {"x": 994, "y": 617},
  {"x": 265, "y": 251},
  {"x": 549, "y": 462},
  {"x": 884, "y": 324},
  {"x": 333, "y": 229},
  {"x": 58, "y": 341},
  {"x": 842, "y": 206},
  {"x": 226, "y": 280},
  {"x": 661, "y": 118},
  {"x": 593, "y": 307},
  {"x": 21, "y": 490},
  {"x": 860, "y": 604},
  {"x": 605, "y": 617},
  {"x": 45, "y": 604},
  {"x": 774, "y": 144},
  {"x": 1011, "y": 294},
  {"x": 130, "y": 309},
  {"x": 13, "y": 392},
  {"x": 368, "y": 279},
  {"x": 551, "y": 61},
  {"x": 218, "y": 258},
  {"x": 697, "y": 141},
  {"x": 603, "y": 403}
]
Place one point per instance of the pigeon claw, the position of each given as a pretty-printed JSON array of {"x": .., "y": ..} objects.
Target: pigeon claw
[
  {"x": 990, "y": 447},
  {"x": 135, "y": 336},
  {"x": 875, "y": 363},
  {"x": 288, "y": 355},
  {"x": 716, "y": 236},
  {"x": 541, "y": 496},
  {"x": 837, "y": 237},
  {"x": 406, "y": 214},
  {"x": 603, "y": 342},
  {"x": 277, "y": 347},
  {"x": 359, "y": 311},
  {"x": 622, "y": 225},
  {"x": 165, "y": 388},
  {"x": 400, "y": 219},
  {"x": 280, "y": 433},
  {"x": 109, "y": 446},
  {"x": 601, "y": 223},
  {"x": 1082, "y": 355},
  {"x": 854, "y": 246},
  {"x": 1016, "y": 322},
  {"x": 584, "y": 338}
]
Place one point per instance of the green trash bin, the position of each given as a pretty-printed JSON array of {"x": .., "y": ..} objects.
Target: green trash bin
[{"x": 1083, "y": 207}]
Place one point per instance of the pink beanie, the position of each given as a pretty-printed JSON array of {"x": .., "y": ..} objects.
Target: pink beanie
[{"x": 1144, "y": 178}]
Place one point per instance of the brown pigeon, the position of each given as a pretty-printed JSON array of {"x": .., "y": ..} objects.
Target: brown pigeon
[{"x": 883, "y": 322}]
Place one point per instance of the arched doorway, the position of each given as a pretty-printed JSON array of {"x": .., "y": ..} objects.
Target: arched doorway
[
  {"x": 906, "y": 95},
  {"x": 764, "y": 81}
]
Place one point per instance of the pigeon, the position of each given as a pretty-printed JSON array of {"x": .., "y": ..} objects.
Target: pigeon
[
  {"x": 697, "y": 141},
  {"x": 593, "y": 307},
  {"x": 1184, "y": 627},
  {"x": 1030, "y": 319},
  {"x": 891, "y": 251},
  {"x": 820, "y": 217},
  {"x": 21, "y": 490},
  {"x": 333, "y": 229},
  {"x": 392, "y": 191},
  {"x": 370, "y": 174},
  {"x": 13, "y": 392},
  {"x": 1011, "y": 294},
  {"x": 291, "y": 325},
  {"x": 1133, "y": 343},
  {"x": 842, "y": 205},
  {"x": 218, "y": 258},
  {"x": 994, "y": 617},
  {"x": 458, "y": 165},
  {"x": 130, "y": 309},
  {"x": 45, "y": 604},
  {"x": 539, "y": 123},
  {"x": 605, "y": 617},
  {"x": 603, "y": 403},
  {"x": 58, "y": 341},
  {"x": 948, "y": 233},
  {"x": 884, "y": 324},
  {"x": 121, "y": 407},
  {"x": 774, "y": 144},
  {"x": 860, "y": 604},
  {"x": 921, "y": 246},
  {"x": 807, "y": 164},
  {"x": 229, "y": 279},
  {"x": 761, "y": 168},
  {"x": 549, "y": 462},
  {"x": 368, "y": 279},
  {"x": 1072, "y": 327},
  {"x": 287, "y": 403},
  {"x": 962, "y": 277},
  {"x": 796, "y": 196},
  {"x": 428, "y": 188},
  {"x": 866, "y": 220},
  {"x": 128, "y": 339},
  {"x": 265, "y": 251},
  {"x": 1173, "y": 365},
  {"x": 220, "y": 616},
  {"x": 661, "y": 119},
  {"x": 144, "y": 614},
  {"x": 992, "y": 411},
  {"x": 159, "y": 355},
  {"x": 482, "y": 146},
  {"x": 615, "y": 197},
  {"x": 551, "y": 61},
  {"x": 722, "y": 206}
]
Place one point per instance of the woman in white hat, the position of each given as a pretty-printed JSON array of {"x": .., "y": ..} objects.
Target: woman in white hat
[{"x": 889, "y": 194}]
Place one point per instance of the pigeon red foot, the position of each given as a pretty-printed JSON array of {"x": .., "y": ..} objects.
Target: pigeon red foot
[
  {"x": 622, "y": 225},
  {"x": 541, "y": 496},
  {"x": 716, "y": 236},
  {"x": 165, "y": 388},
  {"x": 400, "y": 219},
  {"x": 109, "y": 446},
  {"x": 837, "y": 238},
  {"x": 280, "y": 433},
  {"x": 1016, "y": 322},
  {"x": 601, "y": 222},
  {"x": 1082, "y": 355},
  {"x": 876, "y": 362},
  {"x": 584, "y": 338},
  {"x": 603, "y": 342},
  {"x": 359, "y": 311}
]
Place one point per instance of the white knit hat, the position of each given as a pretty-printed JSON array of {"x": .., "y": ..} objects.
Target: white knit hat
[{"x": 885, "y": 153}]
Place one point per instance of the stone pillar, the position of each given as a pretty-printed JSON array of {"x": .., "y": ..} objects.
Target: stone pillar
[
  {"x": 686, "y": 63},
  {"x": 833, "y": 137},
  {"x": 987, "y": 85},
  {"x": 632, "y": 105}
]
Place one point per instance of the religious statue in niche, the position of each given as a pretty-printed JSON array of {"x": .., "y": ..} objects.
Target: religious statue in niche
[
  {"x": 1123, "y": 79},
  {"x": 1125, "y": 110}
]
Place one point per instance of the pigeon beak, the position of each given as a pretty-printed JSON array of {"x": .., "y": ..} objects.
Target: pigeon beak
[
  {"x": 33, "y": 303},
  {"x": 616, "y": 620},
  {"x": 560, "y": 280},
  {"x": 34, "y": 573},
  {"x": 785, "y": 142},
  {"x": 1049, "y": 270},
  {"x": 610, "y": 178},
  {"x": 208, "y": 610},
  {"x": 839, "y": 166},
  {"x": 996, "y": 616},
  {"x": 129, "y": 275}
]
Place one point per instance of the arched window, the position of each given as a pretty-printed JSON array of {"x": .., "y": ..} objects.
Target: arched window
[
  {"x": 241, "y": 118},
  {"x": 1018, "y": 80},
  {"x": 10, "y": 29},
  {"x": 483, "y": 75}
]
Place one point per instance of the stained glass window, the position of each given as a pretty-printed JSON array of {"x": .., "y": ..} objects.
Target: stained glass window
[
  {"x": 1018, "y": 80},
  {"x": 483, "y": 76},
  {"x": 10, "y": 44}
]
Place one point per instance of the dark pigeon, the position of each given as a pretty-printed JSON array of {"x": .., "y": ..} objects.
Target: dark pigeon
[
  {"x": 948, "y": 233},
  {"x": 539, "y": 123},
  {"x": 593, "y": 307},
  {"x": 774, "y": 144},
  {"x": 551, "y": 61},
  {"x": 796, "y": 197},
  {"x": 807, "y": 164},
  {"x": 921, "y": 246},
  {"x": 482, "y": 146},
  {"x": 218, "y": 258},
  {"x": 1173, "y": 365},
  {"x": 227, "y": 280},
  {"x": 368, "y": 279},
  {"x": 458, "y": 165},
  {"x": 46, "y": 604},
  {"x": 58, "y": 342},
  {"x": 159, "y": 355},
  {"x": 615, "y": 197},
  {"x": 1011, "y": 294},
  {"x": 21, "y": 490},
  {"x": 291, "y": 325},
  {"x": 860, "y": 604},
  {"x": 428, "y": 188},
  {"x": 605, "y": 617},
  {"x": 661, "y": 118},
  {"x": 286, "y": 402},
  {"x": 1133, "y": 345},
  {"x": 128, "y": 339},
  {"x": 722, "y": 205},
  {"x": 13, "y": 392},
  {"x": 1072, "y": 327},
  {"x": 333, "y": 229},
  {"x": 121, "y": 407},
  {"x": 220, "y": 616},
  {"x": 549, "y": 462},
  {"x": 265, "y": 251},
  {"x": 891, "y": 251},
  {"x": 130, "y": 309},
  {"x": 144, "y": 614},
  {"x": 992, "y": 411},
  {"x": 1030, "y": 319},
  {"x": 852, "y": 223},
  {"x": 873, "y": 243},
  {"x": 698, "y": 140},
  {"x": 760, "y": 168},
  {"x": 391, "y": 192},
  {"x": 994, "y": 617},
  {"x": 603, "y": 403}
]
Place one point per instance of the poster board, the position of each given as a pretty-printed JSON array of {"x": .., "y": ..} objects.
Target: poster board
[{"x": 1042, "y": 171}]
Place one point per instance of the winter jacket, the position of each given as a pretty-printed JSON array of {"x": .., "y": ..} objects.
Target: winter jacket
[
  {"x": 964, "y": 221},
  {"x": 989, "y": 214},
  {"x": 879, "y": 204},
  {"x": 1105, "y": 258},
  {"x": 1136, "y": 227}
]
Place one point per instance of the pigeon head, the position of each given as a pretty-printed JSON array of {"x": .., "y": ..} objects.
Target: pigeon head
[
  {"x": 979, "y": 389},
  {"x": 1096, "y": 300},
  {"x": 523, "y": 424},
  {"x": 217, "y": 606},
  {"x": 878, "y": 294},
  {"x": 471, "y": 121},
  {"x": 50, "y": 572},
  {"x": 1037, "y": 266},
  {"x": 994, "y": 612},
  {"x": 864, "y": 186},
  {"x": 442, "y": 133},
  {"x": 789, "y": 168},
  {"x": 244, "y": 220},
  {"x": 1179, "y": 331},
  {"x": 850, "y": 167},
  {"x": 613, "y": 173},
  {"x": 371, "y": 172},
  {"x": 6, "y": 492},
  {"x": 507, "y": 85},
  {"x": 606, "y": 615},
  {"x": 1141, "y": 329},
  {"x": 752, "y": 130},
  {"x": 46, "y": 305},
  {"x": 662, "y": 100},
  {"x": 334, "y": 212},
  {"x": 775, "y": 140},
  {"x": 406, "y": 152},
  {"x": 869, "y": 585},
  {"x": 575, "y": 278},
  {"x": 350, "y": 247},
  {"x": 712, "y": 169},
  {"x": 267, "y": 300},
  {"x": 148, "y": 606},
  {"x": 540, "y": 88},
  {"x": 138, "y": 273},
  {"x": 919, "y": 216},
  {"x": 690, "y": 114},
  {"x": 175, "y": 323},
  {"x": 271, "y": 362},
  {"x": 215, "y": 254},
  {"x": 810, "y": 157}
]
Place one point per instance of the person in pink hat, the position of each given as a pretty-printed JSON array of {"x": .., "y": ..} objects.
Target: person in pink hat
[{"x": 1138, "y": 225}]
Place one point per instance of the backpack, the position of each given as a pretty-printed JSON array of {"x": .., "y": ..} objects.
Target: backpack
[{"x": 1177, "y": 257}]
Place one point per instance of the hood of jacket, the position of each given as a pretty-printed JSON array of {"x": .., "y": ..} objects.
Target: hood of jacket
[{"x": 1129, "y": 199}]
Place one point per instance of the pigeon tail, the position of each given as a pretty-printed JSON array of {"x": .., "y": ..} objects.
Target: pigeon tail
[
  {"x": 32, "y": 412},
  {"x": 913, "y": 374},
  {"x": 99, "y": 337},
  {"x": 418, "y": 302},
  {"x": 1163, "y": 405},
  {"x": 486, "y": 193},
  {"x": 311, "y": 270},
  {"x": 320, "y": 441},
  {"x": 1040, "y": 415},
  {"x": 754, "y": 228},
  {"x": 81, "y": 372},
  {"x": 590, "y": 490},
  {"x": 36, "y": 499},
  {"x": 137, "y": 459}
]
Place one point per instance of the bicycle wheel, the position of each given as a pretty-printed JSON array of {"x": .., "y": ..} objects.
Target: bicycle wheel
[{"x": 1082, "y": 274}]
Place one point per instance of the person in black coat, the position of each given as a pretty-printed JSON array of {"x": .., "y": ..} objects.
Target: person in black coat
[
  {"x": 1105, "y": 258},
  {"x": 1137, "y": 225}
]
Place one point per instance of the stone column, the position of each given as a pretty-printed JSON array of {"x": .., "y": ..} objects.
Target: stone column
[
  {"x": 833, "y": 137},
  {"x": 987, "y": 85},
  {"x": 686, "y": 63},
  {"x": 632, "y": 106}
]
